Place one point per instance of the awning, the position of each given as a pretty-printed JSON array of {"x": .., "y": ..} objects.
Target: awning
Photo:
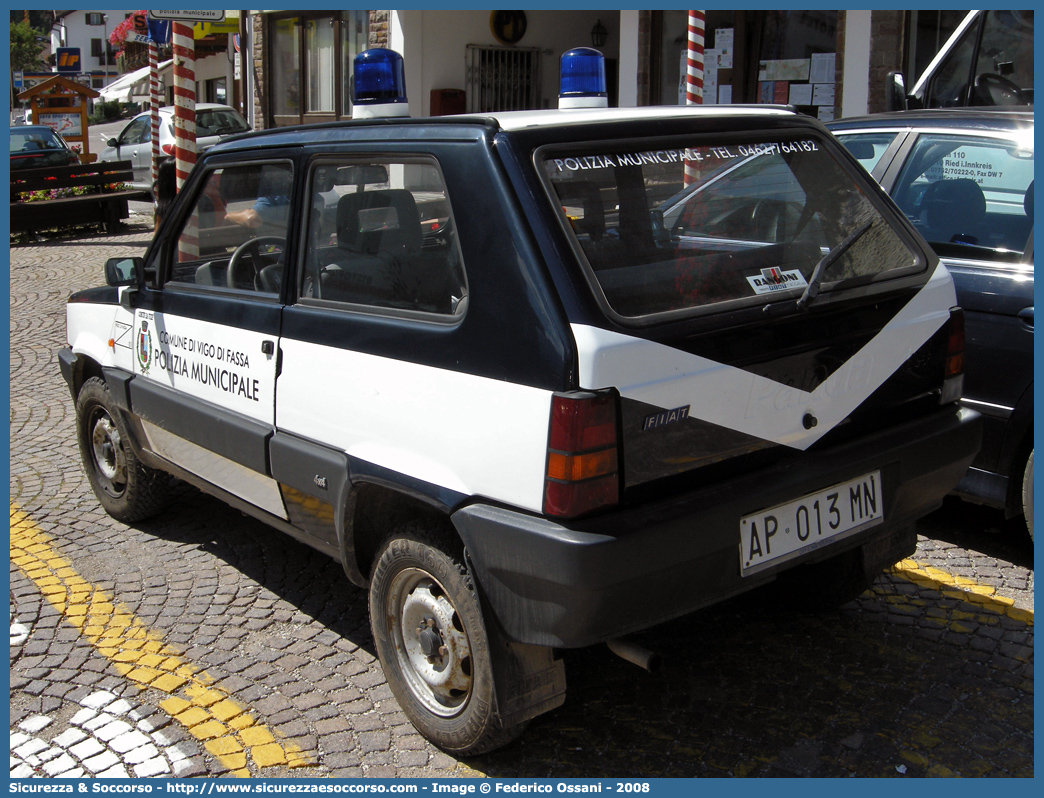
[{"x": 124, "y": 88}]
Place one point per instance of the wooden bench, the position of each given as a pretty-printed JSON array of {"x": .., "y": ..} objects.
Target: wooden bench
[{"x": 109, "y": 209}]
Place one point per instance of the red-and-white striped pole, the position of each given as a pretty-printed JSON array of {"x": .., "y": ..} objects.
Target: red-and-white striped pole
[
  {"x": 184, "y": 100},
  {"x": 694, "y": 71},
  {"x": 694, "y": 75},
  {"x": 154, "y": 103}
]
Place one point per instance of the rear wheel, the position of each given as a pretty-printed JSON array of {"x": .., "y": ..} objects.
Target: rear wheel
[
  {"x": 128, "y": 490},
  {"x": 432, "y": 642},
  {"x": 1027, "y": 493}
]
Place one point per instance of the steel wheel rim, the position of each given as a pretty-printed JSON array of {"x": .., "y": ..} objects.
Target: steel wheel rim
[
  {"x": 422, "y": 619},
  {"x": 110, "y": 462}
]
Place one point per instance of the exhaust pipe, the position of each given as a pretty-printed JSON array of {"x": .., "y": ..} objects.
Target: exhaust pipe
[{"x": 635, "y": 654}]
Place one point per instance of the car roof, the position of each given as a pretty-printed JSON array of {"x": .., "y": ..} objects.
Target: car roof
[
  {"x": 24, "y": 128},
  {"x": 504, "y": 120},
  {"x": 957, "y": 118},
  {"x": 518, "y": 120}
]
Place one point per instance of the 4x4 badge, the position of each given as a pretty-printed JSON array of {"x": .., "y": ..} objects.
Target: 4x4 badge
[{"x": 144, "y": 347}]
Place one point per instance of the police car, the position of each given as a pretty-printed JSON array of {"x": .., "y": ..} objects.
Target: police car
[{"x": 538, "y": 380}]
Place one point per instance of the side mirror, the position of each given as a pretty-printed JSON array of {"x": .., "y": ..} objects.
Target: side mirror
[
  {"x": 112, "y": 143},
  {"x": 895, "y": 92},
  {"x": 124, "y": 271}
]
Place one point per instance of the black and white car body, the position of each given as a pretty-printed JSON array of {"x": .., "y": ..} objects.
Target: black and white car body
[{"x": 522, "y": 406}]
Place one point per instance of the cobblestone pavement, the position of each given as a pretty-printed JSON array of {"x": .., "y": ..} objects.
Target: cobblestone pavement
[{"x": 202, "y": 643}]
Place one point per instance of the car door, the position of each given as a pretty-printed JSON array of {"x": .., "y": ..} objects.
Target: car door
[
  {"x": 971, "y": 196},
  {"x": 134, "y": 144},
  {"x": 206, "y": 332}
]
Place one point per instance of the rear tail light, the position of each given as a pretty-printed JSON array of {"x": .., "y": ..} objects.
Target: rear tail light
[
  {"x": 953, "y": 373},
  {"x": 168, "y": 149},
  {"x": 582, "y": 454}
]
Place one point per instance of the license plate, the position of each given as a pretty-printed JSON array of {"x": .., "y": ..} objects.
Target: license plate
[{"x": 789, "y": 530}]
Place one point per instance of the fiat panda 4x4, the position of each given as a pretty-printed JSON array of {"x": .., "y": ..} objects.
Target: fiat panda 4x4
[{"x": 538, "y": 380}]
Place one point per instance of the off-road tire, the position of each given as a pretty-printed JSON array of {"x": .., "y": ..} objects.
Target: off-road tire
[
  {"x": 419, "y": 575},
  {"x": 128, "y": 490}
]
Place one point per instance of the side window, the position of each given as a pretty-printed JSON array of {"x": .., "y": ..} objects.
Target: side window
[
  {"x": 867, "y": 148},
  {"x": 381, "y": 235},
  {"x": 975, "y": 192},
  {"x": 949, "y": 86},
  {"x": 235, "y": 235},
  {"x": 1004, "y": 67},
  {"x": 137, "y": 132}
]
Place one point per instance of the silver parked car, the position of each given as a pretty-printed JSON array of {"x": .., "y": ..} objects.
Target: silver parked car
[{"x": 213, "y": 123}]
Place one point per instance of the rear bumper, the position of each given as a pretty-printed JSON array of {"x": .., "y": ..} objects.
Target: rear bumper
[{"x": 599, "y": 578}]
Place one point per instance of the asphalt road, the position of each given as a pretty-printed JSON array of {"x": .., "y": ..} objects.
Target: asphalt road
[{"x": 201, "y": 643}]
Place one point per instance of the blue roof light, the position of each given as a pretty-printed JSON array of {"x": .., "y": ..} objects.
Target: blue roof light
[
  {"x": 379, "y": 84},
  {"x": 583, "y": 79}
]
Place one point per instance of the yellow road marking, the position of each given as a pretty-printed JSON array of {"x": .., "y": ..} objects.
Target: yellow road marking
[
  {"x": 959, "y": 587},
  {"x": 224, "y": 727}
]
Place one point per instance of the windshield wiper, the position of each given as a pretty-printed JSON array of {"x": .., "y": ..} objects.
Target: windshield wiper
[{"x": 828, "y": 260}]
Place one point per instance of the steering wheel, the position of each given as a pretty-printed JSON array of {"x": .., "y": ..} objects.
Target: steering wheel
[
  {"x": 999, "y": 90},
  {"x": 239, "y": 275}
]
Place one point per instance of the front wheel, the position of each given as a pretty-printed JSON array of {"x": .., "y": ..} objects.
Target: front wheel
[
  {"x": 432, "y": 643},
  {"x": 128, "y": 490}
]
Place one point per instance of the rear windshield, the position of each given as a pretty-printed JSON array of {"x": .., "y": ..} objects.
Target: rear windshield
[
  {"x": 685, "y": 228},
  {"x": 34, "y": 140}
]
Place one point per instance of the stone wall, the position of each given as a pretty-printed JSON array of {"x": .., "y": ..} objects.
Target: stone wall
[
  {"x": 379, "y": 29},
  {"x": 258, "y": 67},
  {"x": 886, "y": 53}
]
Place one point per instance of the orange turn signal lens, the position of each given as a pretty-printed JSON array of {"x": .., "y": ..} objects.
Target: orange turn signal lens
[{"x": 576, "y": 467}]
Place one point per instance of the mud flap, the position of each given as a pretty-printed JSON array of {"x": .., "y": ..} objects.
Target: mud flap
[{"x": 529, "y": 680}]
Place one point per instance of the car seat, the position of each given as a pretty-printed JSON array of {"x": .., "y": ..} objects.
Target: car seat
[
  {"x": 953, "y": 211},
  {"x": 377, "y": 233}
]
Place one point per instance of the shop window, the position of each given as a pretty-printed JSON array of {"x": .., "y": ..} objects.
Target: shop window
[{"x": 310, "y": 64}]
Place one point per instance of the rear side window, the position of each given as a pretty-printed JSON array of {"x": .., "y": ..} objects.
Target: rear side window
[
  {"x": 697, "y": 228},
  {"x": 381, "y": 236}
]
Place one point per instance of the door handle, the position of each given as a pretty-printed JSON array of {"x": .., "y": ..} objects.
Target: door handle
[
  {"x": 268, "y": 347},
  {"x": 1026, "y": 315}
]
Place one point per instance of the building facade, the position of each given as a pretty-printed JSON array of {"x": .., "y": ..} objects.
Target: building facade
[{"x": 826, "y": 63}]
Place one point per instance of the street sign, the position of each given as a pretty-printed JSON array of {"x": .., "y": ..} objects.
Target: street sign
[
  {"x": 215, "y": 15},
  {"x": 16, "y": 77}
]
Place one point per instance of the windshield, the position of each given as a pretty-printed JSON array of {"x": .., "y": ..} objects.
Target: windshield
[
  {"x": 687, "y": 228},
  {"x": 219, "y": 122}
]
